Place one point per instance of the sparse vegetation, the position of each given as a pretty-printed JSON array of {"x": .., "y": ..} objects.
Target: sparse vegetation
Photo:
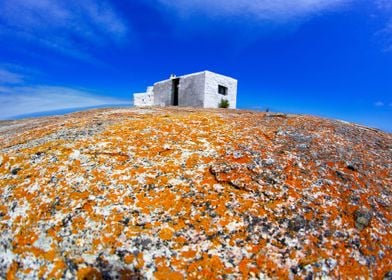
[{"x": 224, "y": 103}]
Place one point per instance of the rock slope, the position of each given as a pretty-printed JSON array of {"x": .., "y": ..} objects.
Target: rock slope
[{"x": 170, "y": 193}]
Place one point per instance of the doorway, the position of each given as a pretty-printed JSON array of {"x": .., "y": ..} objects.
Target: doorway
[{"x": 175, "y": 85}]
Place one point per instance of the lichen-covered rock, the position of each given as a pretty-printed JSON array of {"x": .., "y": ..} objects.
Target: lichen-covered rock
[{"x": 171, "y": 193}]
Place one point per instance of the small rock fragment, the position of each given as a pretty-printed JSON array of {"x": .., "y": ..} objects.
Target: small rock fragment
[
  {"x": 297, "y": 223},
  {"x": 362, "y": 218},
  {"x": 388, "y": 276},
  {"x": 74, "y": 155},
  {"x": 269, "y": 161},
  {"x": 351, "y": 167},
  {"x": 237, "y": 154},
  {"x": 14, "y": 171}
]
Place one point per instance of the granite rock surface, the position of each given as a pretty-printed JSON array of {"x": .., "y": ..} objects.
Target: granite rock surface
[{"x": 171, "y": 193}]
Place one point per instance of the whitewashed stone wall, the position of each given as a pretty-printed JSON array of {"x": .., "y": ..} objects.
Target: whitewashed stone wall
[
  {"x": 195, "y": 90},
  {"x": 211, "y": 96},
  {"x": 144, "y": 99}
]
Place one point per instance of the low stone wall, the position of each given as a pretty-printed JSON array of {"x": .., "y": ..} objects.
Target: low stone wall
[{"x": 143, "y": 99}]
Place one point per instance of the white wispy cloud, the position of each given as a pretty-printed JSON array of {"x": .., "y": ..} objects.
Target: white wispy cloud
[
  {"x": 269, "y": 10},
  {"x": 379, "y": 104},
  {"x": 18, "y": 97},
  {"x": 385, "y": 34},
  {"x": 14, "y": 74},
  {"x": 32, "y": 99},
  {"x": 65, "y": 26},
  {"x": 384, "y": 4},
  {"x": 8, "y": 77}
]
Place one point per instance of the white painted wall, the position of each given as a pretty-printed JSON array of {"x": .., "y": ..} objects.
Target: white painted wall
[
  {"x": 144, "y": 99},
  {"x": 211, "y": 96}
]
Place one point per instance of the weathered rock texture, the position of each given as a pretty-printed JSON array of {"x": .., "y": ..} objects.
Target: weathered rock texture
[{"x": 174, "y": 194}]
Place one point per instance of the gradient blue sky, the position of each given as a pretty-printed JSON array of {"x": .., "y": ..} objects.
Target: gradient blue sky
[{"x": 331, "y": 58}]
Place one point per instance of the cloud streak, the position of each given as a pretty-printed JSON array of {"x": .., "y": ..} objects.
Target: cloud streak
[
  {"x": 19, "y": 98},
  {"x": 8, "y": 77},
  {"x": 265, "y": 10},
  {"x": 68, "y": 27},
  {"x": 32, "y": 99},
  {"x": 385, "y": 34}
]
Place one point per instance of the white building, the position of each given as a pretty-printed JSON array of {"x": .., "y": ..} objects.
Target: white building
[{"x": 203, "y": 89}]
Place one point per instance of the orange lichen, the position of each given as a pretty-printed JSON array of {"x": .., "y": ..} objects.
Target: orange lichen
[
  {"x": 164, "y": 273},
  {"x": 166, "y": 234},
  {"x": 224, "y": 193},
  {"x": 87, "y": 273},
  {"x": 128, "y": 259},
  {"x": 13, "y": 268},
  {"x": 189, "y": 254},
  {"x": 58, "y": 269}
]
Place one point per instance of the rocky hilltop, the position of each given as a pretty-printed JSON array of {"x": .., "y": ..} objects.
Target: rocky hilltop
[{"x": 170, "y": 193}]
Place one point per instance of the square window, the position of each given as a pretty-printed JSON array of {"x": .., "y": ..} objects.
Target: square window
[{"x": 222, "y": 90}]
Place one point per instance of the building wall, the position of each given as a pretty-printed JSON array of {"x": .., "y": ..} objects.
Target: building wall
[
  {"x": 191, "y": 90},
  {"x": 195, "y": 90},
  {"x": 163, "y": 93},
  {"x": 144, "y": 99},
  {"x": 212, "y": 98}
]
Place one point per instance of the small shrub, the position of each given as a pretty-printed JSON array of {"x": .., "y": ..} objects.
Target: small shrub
[{"x": 224, "y": 103}]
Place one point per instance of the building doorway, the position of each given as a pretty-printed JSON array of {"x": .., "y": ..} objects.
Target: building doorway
[{"x": 175, "y": 86}]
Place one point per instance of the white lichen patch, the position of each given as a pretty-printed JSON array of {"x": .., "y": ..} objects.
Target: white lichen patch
[{"x": 43, "y": 242}]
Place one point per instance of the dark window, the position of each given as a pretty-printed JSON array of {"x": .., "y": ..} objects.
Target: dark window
[{"x": 222, "y": 90}]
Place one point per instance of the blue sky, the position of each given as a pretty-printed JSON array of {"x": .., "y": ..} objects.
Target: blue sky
[{"x": 328, "y": 58}]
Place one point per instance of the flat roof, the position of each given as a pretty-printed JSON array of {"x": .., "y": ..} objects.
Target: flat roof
[{"x": 194, "y": 74}]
